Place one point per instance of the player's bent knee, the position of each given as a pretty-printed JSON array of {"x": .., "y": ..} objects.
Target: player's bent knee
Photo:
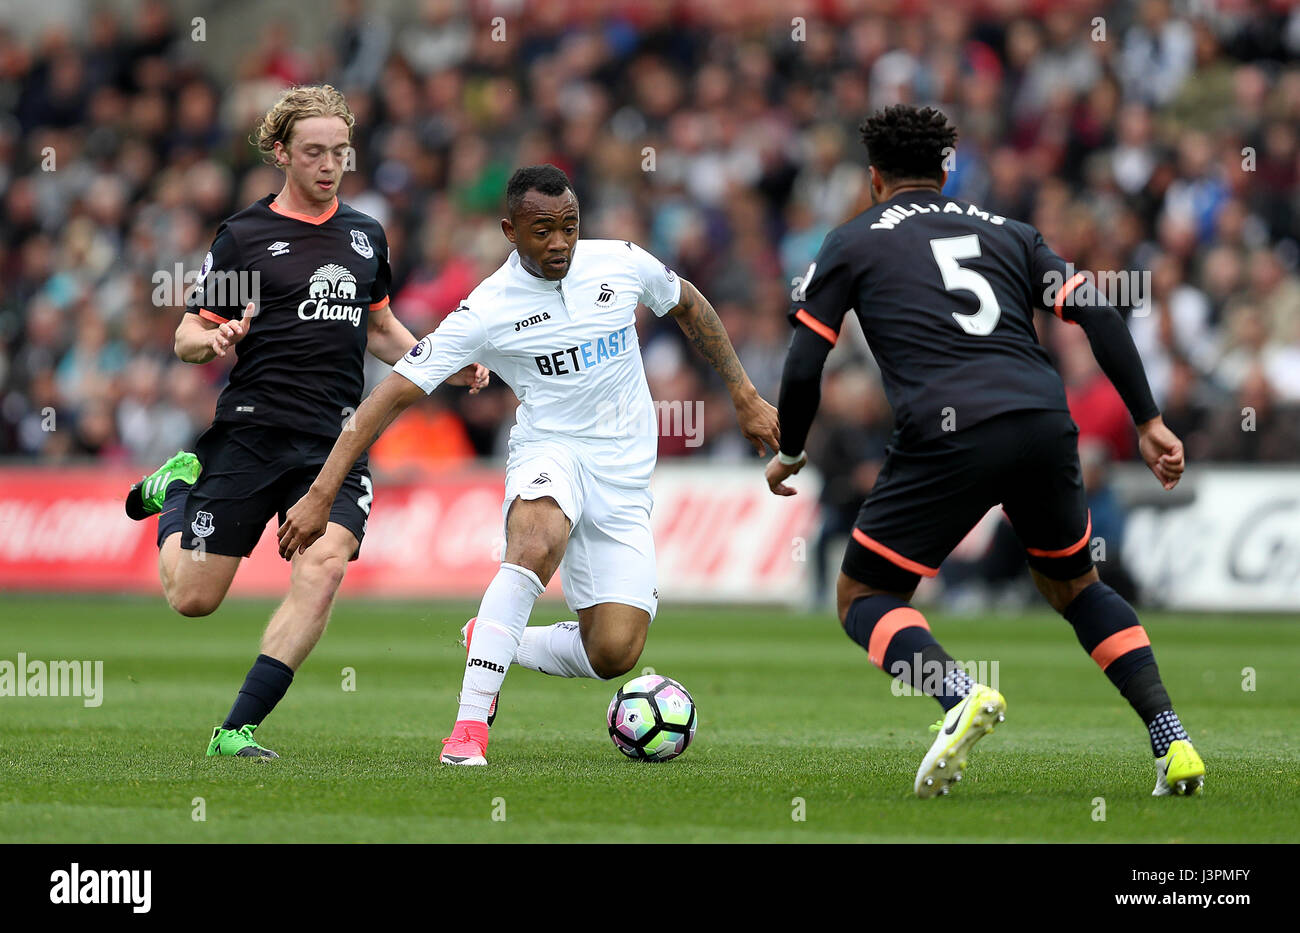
[
  {"x": 610, "y": 662},
  {"x": 848, "y": 591},
  {"x": 613, "y": 654},
  {"x": 1060, "y": 593},
  {"x": 194, "y": 603},
  {"x": 321, "y": 576},
  {"x": 538, "y": 552}
]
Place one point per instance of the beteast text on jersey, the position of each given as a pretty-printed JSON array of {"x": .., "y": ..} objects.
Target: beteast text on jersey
[{"x": 553, "y": 364}]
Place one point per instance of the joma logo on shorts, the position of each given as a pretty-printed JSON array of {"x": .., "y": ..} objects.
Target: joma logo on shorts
[
  {"x": 535, "y": 319},
  {"x": 479, "y": 662}
]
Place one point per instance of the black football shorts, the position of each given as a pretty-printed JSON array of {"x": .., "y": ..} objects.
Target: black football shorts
[
  {"x": 252, "y": 472},
  {"x": 929, "y": 496}
]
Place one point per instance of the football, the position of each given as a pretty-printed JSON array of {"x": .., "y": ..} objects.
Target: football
[{"x": 652, "y": 718}]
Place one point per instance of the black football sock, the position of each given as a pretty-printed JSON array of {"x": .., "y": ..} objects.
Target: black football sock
[
  {"x": 1164, "y": 730},
  {"x": 898, "y": 641},
  {"x": 1110, "y": 632},
  {"x": 172, "y": 517},
  {"x": 265, "y": 686}
]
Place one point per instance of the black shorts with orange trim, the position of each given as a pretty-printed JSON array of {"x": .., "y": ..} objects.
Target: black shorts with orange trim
[{"x": 928, "y": 497}]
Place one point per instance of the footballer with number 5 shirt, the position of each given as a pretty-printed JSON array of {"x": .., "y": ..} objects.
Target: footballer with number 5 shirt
[
  {"x": 557, "y": 322},
  {"x": 945, "y": 293},
  {"x": 296, "y": 285}
]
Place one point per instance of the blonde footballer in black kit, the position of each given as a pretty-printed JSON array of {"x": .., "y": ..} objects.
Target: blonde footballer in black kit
[{"x": 296, "y": 287}]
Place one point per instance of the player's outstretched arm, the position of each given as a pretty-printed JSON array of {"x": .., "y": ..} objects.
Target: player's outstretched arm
[
  {"x": 306, "y": 520},
  {"x": 700, "y": 323},
  {"x": 1162, "y": 451},
  {"x": 801, "y": 382},
  {"x": 387, "y": 338},
  {"x": 1118, "y": 357},
  {"x": 200, "y": 341}
]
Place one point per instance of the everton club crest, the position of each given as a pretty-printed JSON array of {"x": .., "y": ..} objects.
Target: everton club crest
[{"x": 361, "y": 243}]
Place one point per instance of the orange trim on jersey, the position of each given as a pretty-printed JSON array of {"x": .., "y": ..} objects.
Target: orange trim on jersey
[
  {"x": 889, "y": 625},
  {"x": 1075, "y": 281},
  {"x": 380, "y": 304},
  {"x": 1066, "y": 551},
  {"x": 893, "y": 557},
  {"x": 817, "y": 326},
  {"x": 213, "y": 317},
  {"x": 1121, "y": 643},
  {"x": 306, "y": 218}
]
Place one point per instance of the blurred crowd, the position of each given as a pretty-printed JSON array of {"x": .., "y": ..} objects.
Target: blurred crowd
[{"x": 1152, "y": 136}]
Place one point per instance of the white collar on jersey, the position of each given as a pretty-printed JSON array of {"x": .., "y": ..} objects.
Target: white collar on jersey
[{"x": 525, "y": 278}]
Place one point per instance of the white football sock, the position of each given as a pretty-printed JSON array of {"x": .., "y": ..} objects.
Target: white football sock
[
  {"x": 502, "y": 617},
  {"x": 555, "y": 649}
]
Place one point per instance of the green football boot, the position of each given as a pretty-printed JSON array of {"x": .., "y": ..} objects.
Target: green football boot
[
  {"x": 237, "y": 743},
  {"x": 1179, "y": 772},
  {"x": 146, "y": 497},
  {"x": 956, "y": 734}
]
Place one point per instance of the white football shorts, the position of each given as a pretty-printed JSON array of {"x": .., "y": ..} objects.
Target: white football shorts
[{"x": 610, "y": 556}]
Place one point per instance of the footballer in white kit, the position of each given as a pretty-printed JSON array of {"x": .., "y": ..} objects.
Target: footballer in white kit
[{"x": 557, "y": 322}]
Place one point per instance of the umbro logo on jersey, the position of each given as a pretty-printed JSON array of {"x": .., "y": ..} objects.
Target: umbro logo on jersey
[
  {"x": 606, "y": 295},
  {"x": 278, "y": 248},
  {"x": 529, "y": 322},
  {"x": 542, "y": 480},
  {"x": 331, "y": 281}
]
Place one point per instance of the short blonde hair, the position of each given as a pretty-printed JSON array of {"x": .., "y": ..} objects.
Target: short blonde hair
[{"x": 299, "y": 103}]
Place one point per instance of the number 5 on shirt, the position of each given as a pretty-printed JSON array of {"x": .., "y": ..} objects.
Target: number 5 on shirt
[{"x": 947, "y": 250}]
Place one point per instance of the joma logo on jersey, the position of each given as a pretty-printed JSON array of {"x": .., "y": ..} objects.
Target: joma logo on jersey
[
  {"x": 479, "y": 662},
  {"x": 331, "y": 281},
  {"x": 529, "y": 322},
  {"x": 583, "y": 356}
]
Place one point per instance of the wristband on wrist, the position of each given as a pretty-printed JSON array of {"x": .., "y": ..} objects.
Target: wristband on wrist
[{"x": 788, "y": 460}]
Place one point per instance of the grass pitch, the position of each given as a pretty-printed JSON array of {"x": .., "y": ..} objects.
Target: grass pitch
[{"x": 793, "y": 722}]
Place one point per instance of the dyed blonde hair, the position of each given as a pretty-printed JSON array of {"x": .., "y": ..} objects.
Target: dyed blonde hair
[{"x": 299, "y": 103}]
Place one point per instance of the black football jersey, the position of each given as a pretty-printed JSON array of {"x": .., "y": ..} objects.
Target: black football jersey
[
  {"x": 945, "y": 292},
  {"x": 315, "y": 281}
]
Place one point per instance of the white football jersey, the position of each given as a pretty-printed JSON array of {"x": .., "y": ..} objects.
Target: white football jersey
[{"x": 568, "y": 349}]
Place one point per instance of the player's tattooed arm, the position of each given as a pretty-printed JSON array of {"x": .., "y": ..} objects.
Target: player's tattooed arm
[
  {"x": 306, "y": 520},
  {"x": 702, "y": 326},
  {"x": 700, "y": 323}
]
